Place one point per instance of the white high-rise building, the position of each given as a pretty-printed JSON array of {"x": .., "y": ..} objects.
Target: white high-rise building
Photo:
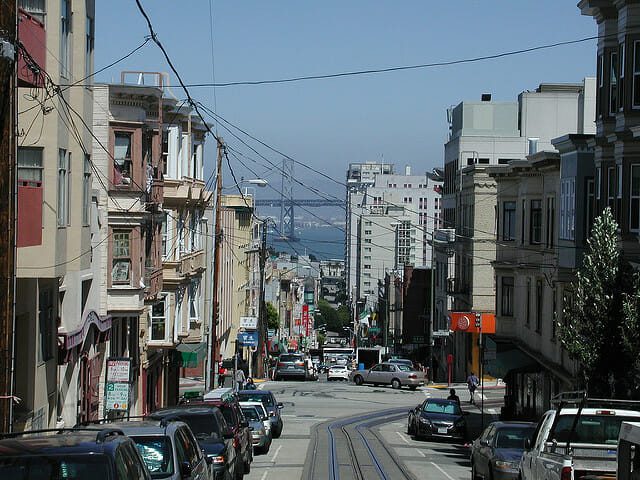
[{"x": 390, "y": 221}]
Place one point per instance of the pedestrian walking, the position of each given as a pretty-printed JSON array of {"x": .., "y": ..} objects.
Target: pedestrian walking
[
  {"x": 472, "y": 385},
  {"x": 240, "y": 378},
  {"x": 453, "y": 396}
]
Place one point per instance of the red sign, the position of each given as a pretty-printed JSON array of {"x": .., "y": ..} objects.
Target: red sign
[{"x": 305, "y": 318}]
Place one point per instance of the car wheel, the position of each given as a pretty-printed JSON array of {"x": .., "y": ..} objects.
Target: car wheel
[
  {"x": 395, "y": 384},
  {"x": 413, "y": 388},
  {"x": 358, "y": 380},
  {"x": 474, "y": 475},
  {"x": 410, "y": 430}
]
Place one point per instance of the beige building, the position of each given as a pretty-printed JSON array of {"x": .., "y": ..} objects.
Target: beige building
[
  {"x": 61, "y": 329},
  {"x": 180, "y": 316},
  {"x": 234, "y": 289},
  {"x": 541, "y": 238}
]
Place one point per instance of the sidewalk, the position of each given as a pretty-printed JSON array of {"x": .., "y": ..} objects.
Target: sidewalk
[{"x": 493, "y": 384}]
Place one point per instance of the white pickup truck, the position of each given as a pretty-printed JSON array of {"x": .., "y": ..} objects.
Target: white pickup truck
[{"x": 577, "y": 440}]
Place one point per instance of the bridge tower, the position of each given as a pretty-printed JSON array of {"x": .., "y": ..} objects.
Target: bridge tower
[{"x": 287, "y": 220}]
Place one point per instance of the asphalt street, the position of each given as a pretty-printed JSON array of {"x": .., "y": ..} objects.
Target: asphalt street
[{"x": 316, "y": 412}]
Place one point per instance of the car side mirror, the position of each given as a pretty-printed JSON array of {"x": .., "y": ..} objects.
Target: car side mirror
[
  {"x": 280, "y": 405},
  {"x": 484, "y": 443},
  {"x": 251, "y": 428},
  {"x": 244, "y": 424},
  {"x": 185, "y": 470},
  {"x": 527, "y": 444}
]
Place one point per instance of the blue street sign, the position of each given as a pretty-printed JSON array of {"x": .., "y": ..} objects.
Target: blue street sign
[{"x": 248, "y": 339}]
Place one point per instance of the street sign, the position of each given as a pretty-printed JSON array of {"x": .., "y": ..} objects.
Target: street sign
[
  {"x": 248, "y": 339},
  {"x": 271, "y": 333},
  {"x": 249, "y": 323},
  {"x": 441, "y": 333},
  {"x": 117, "y": 396},
  {"x": 118, "y": 369}
]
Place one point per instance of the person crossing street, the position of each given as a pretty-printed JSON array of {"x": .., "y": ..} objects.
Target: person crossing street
[{"x": 472, "y": 385}]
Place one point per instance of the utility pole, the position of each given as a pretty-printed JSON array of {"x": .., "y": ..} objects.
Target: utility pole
[
  {"x": 262, "y": 317},
  {"x": 217, "y": 240},
  {"x": 8, "y": 206}
]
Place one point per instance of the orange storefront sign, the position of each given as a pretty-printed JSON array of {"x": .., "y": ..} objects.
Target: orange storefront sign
[{"x": 466, "y": 322}]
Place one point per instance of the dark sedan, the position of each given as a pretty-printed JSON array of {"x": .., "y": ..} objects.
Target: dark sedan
[
  {"x": 496, "y": 453},
  {"x": 437, "y": 417}
]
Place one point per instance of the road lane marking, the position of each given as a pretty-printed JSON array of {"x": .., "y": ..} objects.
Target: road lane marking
[
  {"x": 442, "y": 471},
  {"x": 403, "y": 438},
  {"x": 275, "y": 455},
  {"x": 264, "y": 475},
  {"x": 420, "y": 452}
]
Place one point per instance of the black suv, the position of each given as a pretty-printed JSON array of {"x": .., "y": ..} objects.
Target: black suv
[
  {"x": 98, "y": 454},
  {"x": 212, "y": 433}
]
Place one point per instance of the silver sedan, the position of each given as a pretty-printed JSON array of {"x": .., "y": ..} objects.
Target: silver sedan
[{"x": 389, "y": 374}]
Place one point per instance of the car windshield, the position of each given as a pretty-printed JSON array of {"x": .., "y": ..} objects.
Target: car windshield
[
  {"x": 442, "y": 407},
  {"x": 202, "y": 426},
  {"x": 291, "y": 358},
  {"x": 157, "y": 455},
  {"x": 266, "y": 400},
  {"x": 251, "y": 413},
  {"x": 43, "y": 467},
  {"x": 599, "y": 429},
  {"x": 513, "y": 437},
  {"x": 404, "y": 368}
]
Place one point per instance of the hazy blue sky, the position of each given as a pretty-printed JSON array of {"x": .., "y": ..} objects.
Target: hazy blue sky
[{"x": 329, "y": 123}]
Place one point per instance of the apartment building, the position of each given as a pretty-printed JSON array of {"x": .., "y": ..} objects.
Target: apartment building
[
  {"x": 495, "y": 133},
  {"x": 618, "y": 116},
  {"x": 186, "y": 231},
  {"x": 61, "y": 328},
  {"x": 541, "y": 241},
  {"x": 360, "y": 176},
  {"x": 128, "y": 129},
  {"x": 234, "y": 289}
]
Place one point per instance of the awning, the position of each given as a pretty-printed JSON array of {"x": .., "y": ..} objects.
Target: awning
[
  {"x": 507, "y": 360},
  {"x": 192, "y": 353}
]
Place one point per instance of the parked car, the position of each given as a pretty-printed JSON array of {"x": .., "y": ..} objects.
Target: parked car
[
  {"x": 389, "y": 374},
  {"x": 437, "y": 417},
  {"x": 212, "y": 434},
  {"x": 497, "y": 451},
  {"x": 273, "y": 407},
  {"x": 401, "y": 361},
  {"x": 227, "y": 401},
  {"x": 73, "y": 454},
  {"x": 578, "y": 438},
  {"x": 338, "y": 372},
  {"x": 291, "y": 366},
  {"x": 168, "y": 448},
  {"x": 264, "y": 415},
  {"x": 261, "y": 438}
]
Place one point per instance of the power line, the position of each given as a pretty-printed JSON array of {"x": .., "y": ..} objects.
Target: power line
[{"x": 401, "y": 67}]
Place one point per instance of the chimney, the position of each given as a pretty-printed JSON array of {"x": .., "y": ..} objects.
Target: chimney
[
  {"x": 407, "y": 170},
  {"x": 533, "y": 145},
  {"x": 485, "y": 97}
]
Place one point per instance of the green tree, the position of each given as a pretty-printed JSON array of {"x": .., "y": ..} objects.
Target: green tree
[
  {"x": 273, "y": 319},
  {"x": 596, "y": 318},
  {"x": 343, "y": 315},
  {"x": 329, "y": 316}
]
